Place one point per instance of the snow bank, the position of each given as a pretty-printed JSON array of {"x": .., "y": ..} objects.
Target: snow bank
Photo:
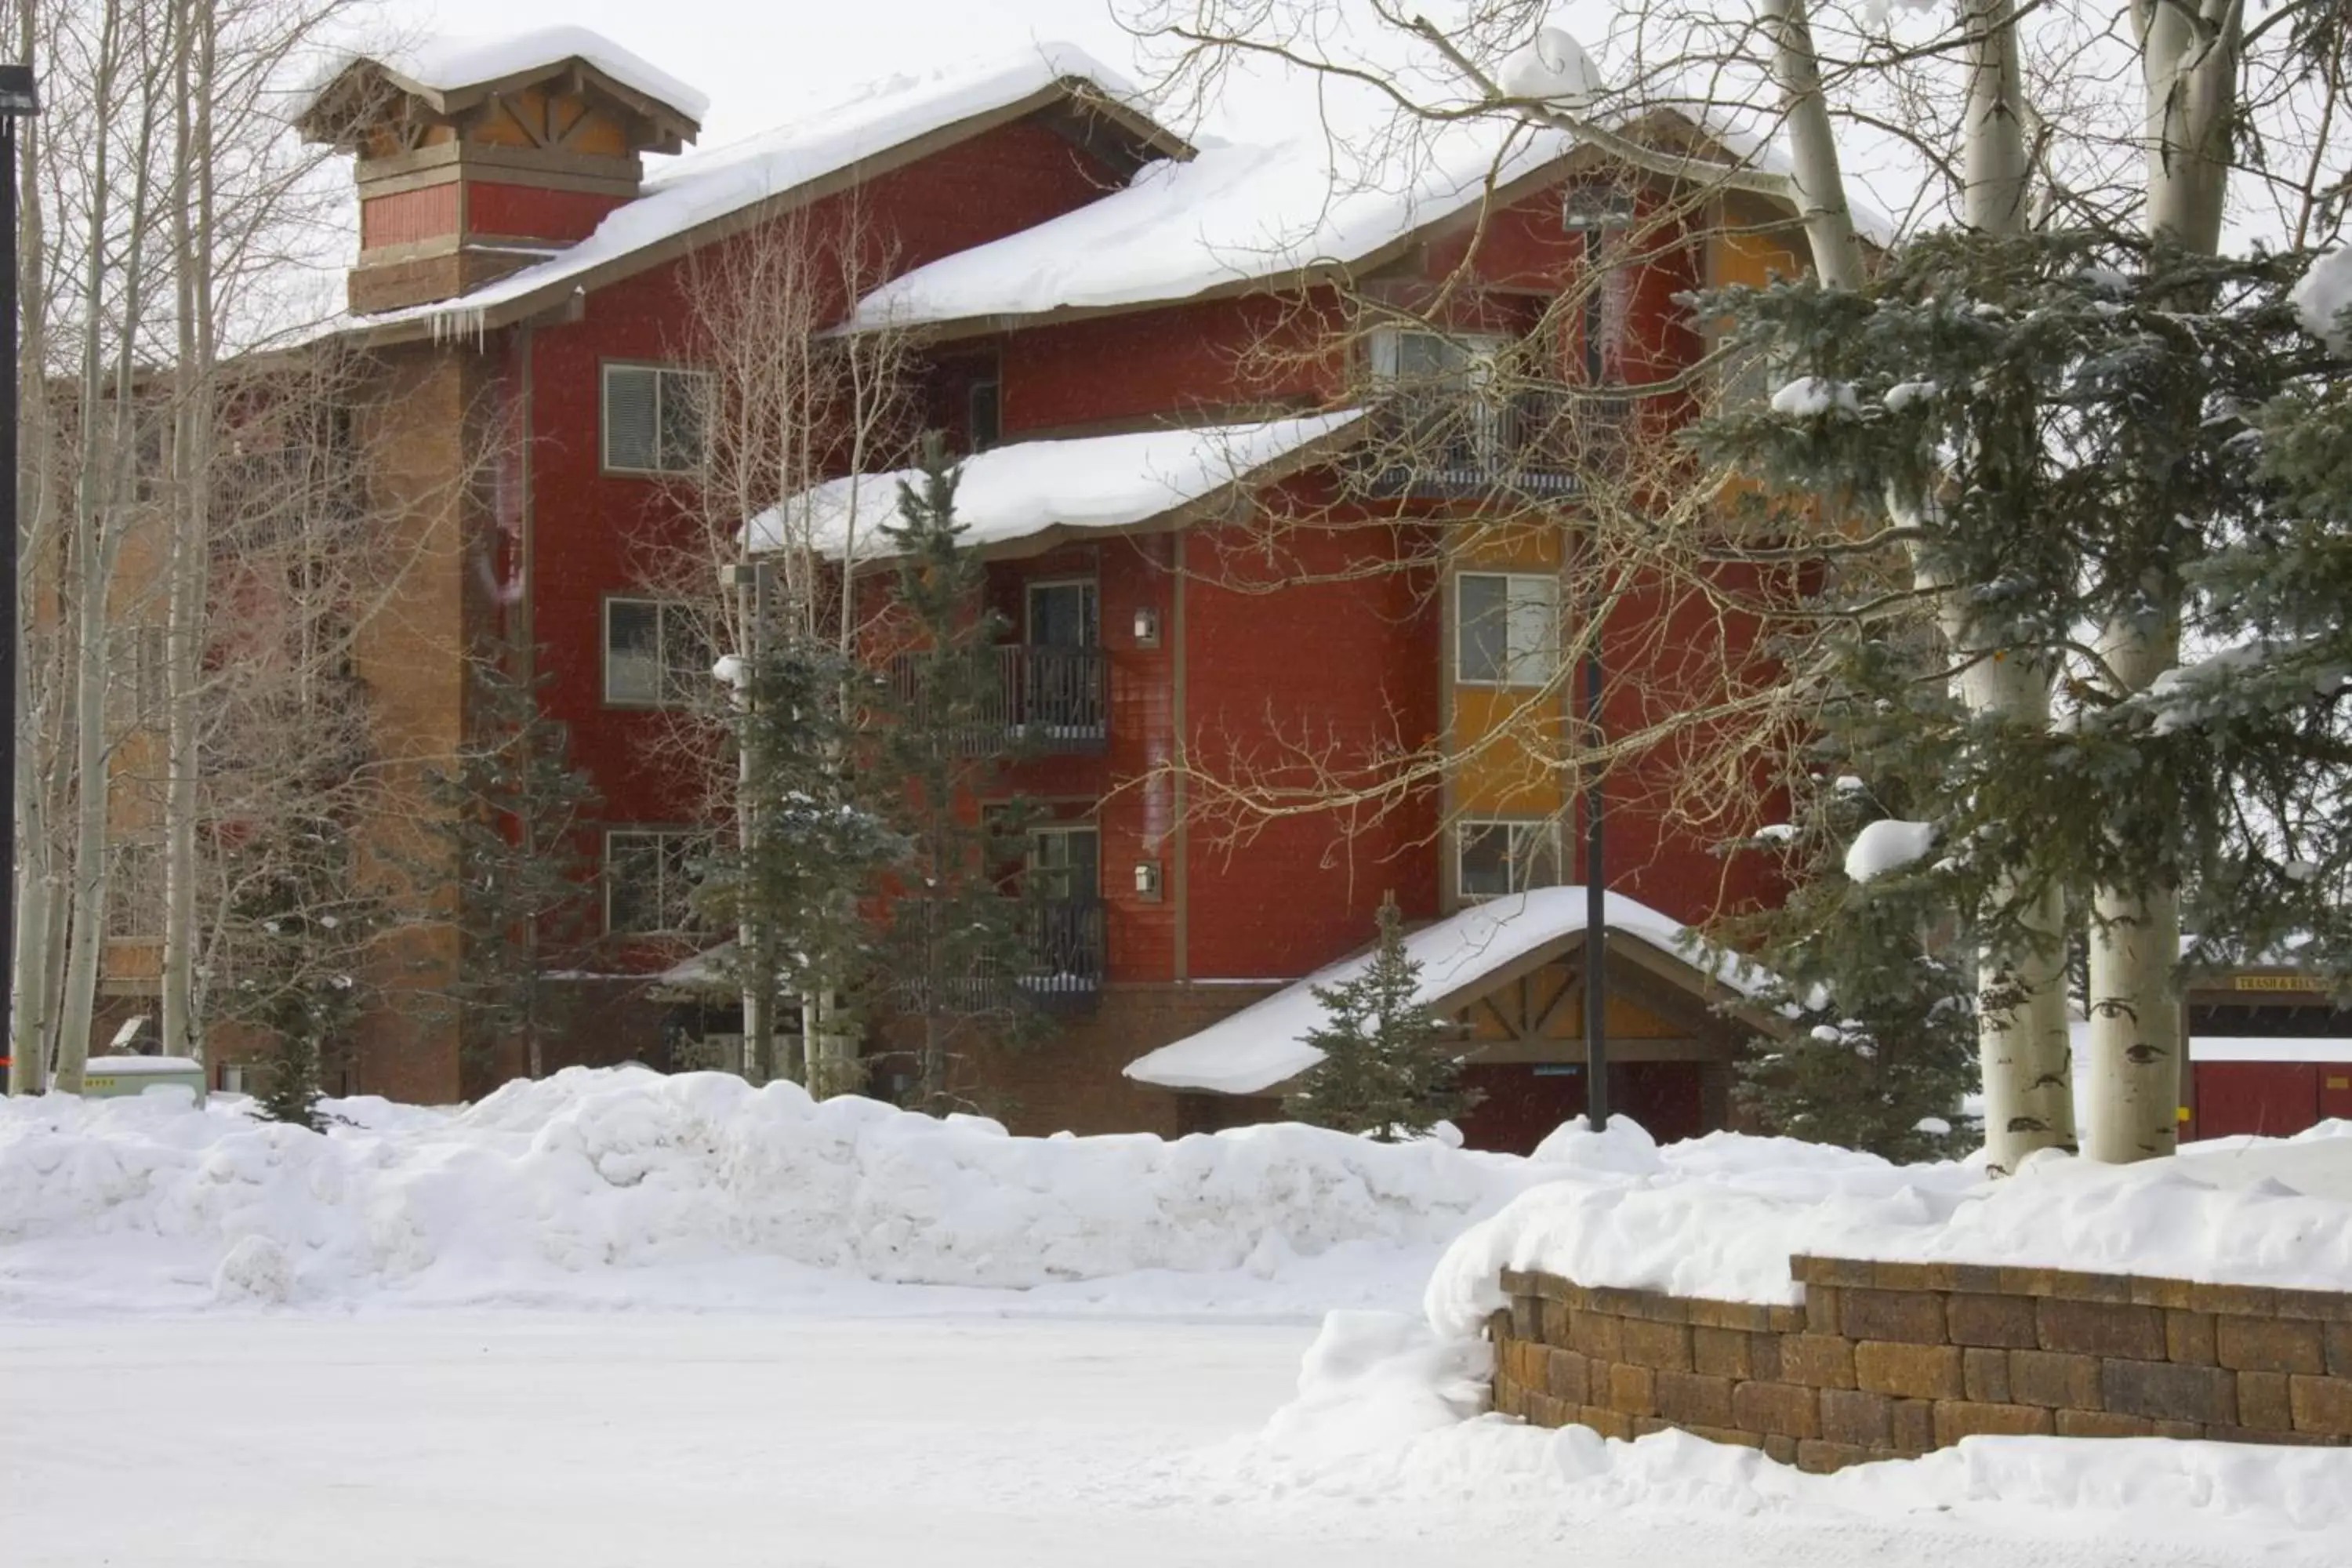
[
  {"x": 144, "y": 1203},
  {"x": 1720, "y": 1216},
  {"x": 1369, "y": 1424}
]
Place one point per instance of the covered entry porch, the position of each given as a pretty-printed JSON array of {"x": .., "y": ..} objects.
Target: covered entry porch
[{"x": 1509, "y": 974}]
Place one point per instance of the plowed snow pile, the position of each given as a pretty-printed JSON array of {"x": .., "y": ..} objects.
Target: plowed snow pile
[
  {"x": 624, "y": 1184},
  {"x": 624, "y": 1187}
]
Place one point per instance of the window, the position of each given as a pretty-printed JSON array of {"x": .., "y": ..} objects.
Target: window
[
  {"x": 1064, "y": 863},
  {"x": 653, "y": 419},
  {"x": 649, "y": 877},
  {"x": 1064, "y": 614},
  {"x": 984, "y": 413},
  {"x": 655, "y": 655},
  {"x": 1494, "y": 859},
  {"x": 1507, "y": 628},
  {"x": 1435, "y": 361}
]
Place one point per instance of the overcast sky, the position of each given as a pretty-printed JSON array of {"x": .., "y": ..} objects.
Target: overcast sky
[{"x": 760, "y": 61}]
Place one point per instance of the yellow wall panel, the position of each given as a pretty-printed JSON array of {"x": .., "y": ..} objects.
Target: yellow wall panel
[{"x": 1510, "y": 777}]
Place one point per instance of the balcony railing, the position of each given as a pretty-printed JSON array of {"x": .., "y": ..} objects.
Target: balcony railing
[
  {"x": 1465, "y": 446},
  {"x": 1063, "y": 973},
  {"x": 1035, "y": 698}
]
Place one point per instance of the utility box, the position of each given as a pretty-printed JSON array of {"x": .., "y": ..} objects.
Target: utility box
[{"x": 117, "y": 1077}]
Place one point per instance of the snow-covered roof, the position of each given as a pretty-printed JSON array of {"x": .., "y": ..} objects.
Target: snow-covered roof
[
  {"x": 1242, "y": 212},
  {"x": 445, "y": 63},
  {"x": 1233, "y": 214},
  {"x": 1264, "y": 1044},
  {"x": 1018, "y": 492},
  {"x": 705, "y": 187},
  {"x": 140, "y": 1066},
  {"x": 2278, "y": 1048}
]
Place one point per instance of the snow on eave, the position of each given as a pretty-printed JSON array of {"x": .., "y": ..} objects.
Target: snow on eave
[
  {"x": 1025, "y": 496},
  {"x": 706, "y": 196},
  {"x": 442, "y": 67},
  {"x": 1263, "y": 1044}
]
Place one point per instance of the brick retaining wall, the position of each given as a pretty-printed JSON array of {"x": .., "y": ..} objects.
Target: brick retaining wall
[{"x": 1888, "y": 1360}]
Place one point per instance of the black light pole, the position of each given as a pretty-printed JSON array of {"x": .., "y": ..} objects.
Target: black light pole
[
  {"x": 1592, "y": 211},
  {"x": 17, "y": 101}
]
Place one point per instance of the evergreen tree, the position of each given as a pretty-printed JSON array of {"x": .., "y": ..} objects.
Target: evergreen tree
[
  {"x": 1388, "y": 1069},
  {"x": 960, "y": 942},
  {"x": 2077, "y": 420},
  {"x": 508, "y": 816},
  {"x": 303, "y": 922},
  {"x": 1870, "y": 973},
  {"x": 823, "y": 841}
]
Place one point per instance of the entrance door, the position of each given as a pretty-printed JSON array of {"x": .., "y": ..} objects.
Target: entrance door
[{"x": 1061, "y": 690}]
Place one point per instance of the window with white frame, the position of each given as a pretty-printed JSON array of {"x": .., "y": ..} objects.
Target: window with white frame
[
  {"x": 649, "y": 879},
  {"x": 653, "y": 418},
  {"x": 1506, "y": 628},
  {"x": 1495, "y": 859},
  {"x": 655, "y": 654}
]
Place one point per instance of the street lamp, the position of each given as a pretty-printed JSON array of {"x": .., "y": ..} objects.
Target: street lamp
[
  {"x": 1595, "y": 212},
  {"x": 17, "y": 101}
]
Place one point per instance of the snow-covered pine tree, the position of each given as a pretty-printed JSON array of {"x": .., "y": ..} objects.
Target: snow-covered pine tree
[
  {"x": 960, "y": 942},
  {"x": 304, "y": 921},
  {"x": 1863, "y": 956},
  {"x": 822, "y": 838},
  {"x": 507, "y": 813},
  {"x": 1389, "y": 1068},
  {"x": 2078, "y": 412}
]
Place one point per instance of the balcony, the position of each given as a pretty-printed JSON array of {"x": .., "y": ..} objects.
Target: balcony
[
  {"x": 1528, "y": 446},
  {"x": 1052, "y": 701},
  {"x": 1064, "y": 975}
]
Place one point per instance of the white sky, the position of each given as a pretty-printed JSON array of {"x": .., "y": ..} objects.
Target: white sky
[{"x": 759, "y": 62}]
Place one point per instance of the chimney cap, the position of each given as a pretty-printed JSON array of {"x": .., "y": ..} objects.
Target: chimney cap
[{"x": 446, "y": 75}]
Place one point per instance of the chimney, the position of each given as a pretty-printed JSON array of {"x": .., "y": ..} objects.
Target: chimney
[{"x": 478, "y": 158}]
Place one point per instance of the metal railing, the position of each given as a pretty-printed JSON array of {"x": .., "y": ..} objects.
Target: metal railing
[
  {"x": 1034, "y": 699},
  {"x": 1462, "y": 445},
  {"x": 1062, "y": 972}
]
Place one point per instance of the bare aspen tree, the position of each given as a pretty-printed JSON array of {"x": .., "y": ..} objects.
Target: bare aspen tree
[{"x": 785, "y": 402}]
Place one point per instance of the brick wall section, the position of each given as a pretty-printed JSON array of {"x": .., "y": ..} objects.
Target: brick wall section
[{"x": 1889, "y": 1360}]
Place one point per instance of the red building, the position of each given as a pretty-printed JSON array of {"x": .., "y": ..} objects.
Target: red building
[{"x": 1169, "y": 366}]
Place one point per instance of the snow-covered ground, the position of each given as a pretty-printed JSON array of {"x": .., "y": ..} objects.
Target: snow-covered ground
[
  {"x": 704, "y": 1441},
  {"x": 620, "y": 1317}
]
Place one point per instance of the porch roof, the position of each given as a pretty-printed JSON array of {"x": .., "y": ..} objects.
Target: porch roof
[
  {"x": 1029, "y": 495},
  {"x": 1461, "y": 958}
]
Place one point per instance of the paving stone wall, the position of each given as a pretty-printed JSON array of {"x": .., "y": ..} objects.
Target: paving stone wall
[{"x": 1887, "y": 1360}]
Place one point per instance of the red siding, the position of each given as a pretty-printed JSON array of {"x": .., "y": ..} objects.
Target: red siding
[
  {"x": 409, "y": 216},
  {"x": 594, "y": 531},
  {"x": 1151, "y": 365},
  {"x": 1325, "y": 671},
  {"x": 2268, "y": 1098},
  {"x": 528, "y": 212}
]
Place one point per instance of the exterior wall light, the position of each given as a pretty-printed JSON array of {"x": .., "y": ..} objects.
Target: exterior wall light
[
  {"x": 1147, "y": 626},
  {"x": 1147, "y": 880}
]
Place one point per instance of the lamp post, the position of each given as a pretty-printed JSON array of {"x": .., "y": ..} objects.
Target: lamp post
[
  {"x": 1595, "y": 212},
  {"x": 17, "y": 101},
  {"x": 750, "y": 581}
]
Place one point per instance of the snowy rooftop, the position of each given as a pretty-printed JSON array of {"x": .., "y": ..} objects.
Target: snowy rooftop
[
  {"x": 1264, "y": 1044},
  {"x": 1020, "y": 490},
  {"x": 446, "y": 63},
  {"x": 706, "y": 186},
  {"x": 1233, "y": 214}
]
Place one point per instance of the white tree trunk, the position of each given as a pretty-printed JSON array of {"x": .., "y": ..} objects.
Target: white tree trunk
[
  {"x": 190, "y": 533},
  {"x": 1812, "y": 147},
  {"x": 2133, "y": 1059}
]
